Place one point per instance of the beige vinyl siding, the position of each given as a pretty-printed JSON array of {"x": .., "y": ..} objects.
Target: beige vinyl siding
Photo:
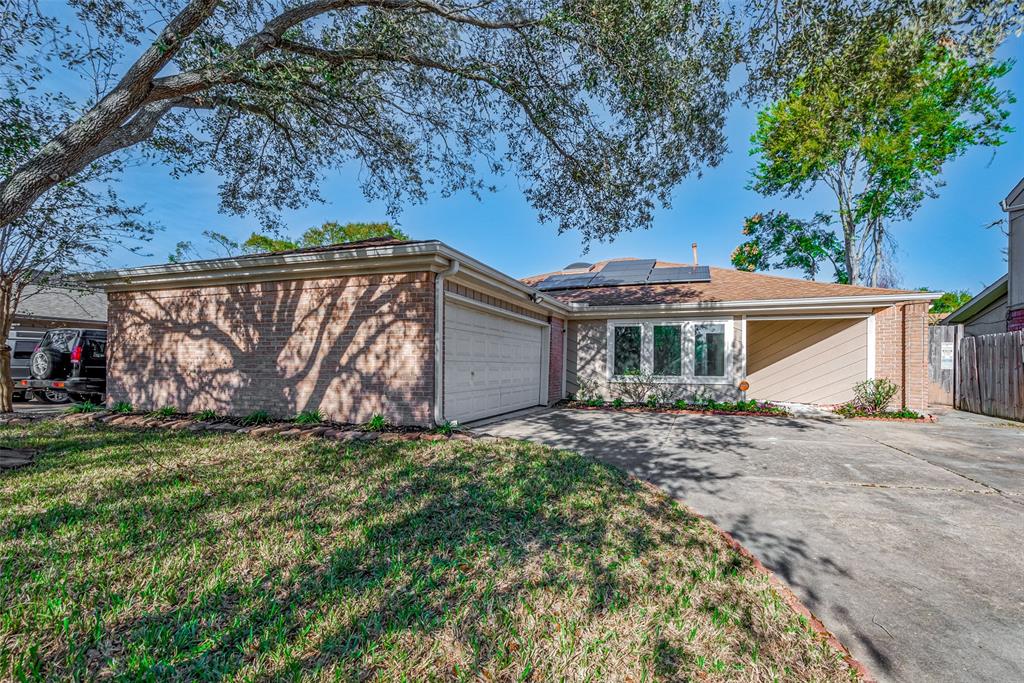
[
  {"x": 571, "y": 357},
  {"x": 806, "y": 361},
  {"x": 991, "y": 320}
]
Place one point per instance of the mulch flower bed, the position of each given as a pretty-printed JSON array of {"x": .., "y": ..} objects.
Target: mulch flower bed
[
  {"x": 775, "y": 411},
  {"x": 325, "y": 430},
  {"x": 891, "y": 418}
]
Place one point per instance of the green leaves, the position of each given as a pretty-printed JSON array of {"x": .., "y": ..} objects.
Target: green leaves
[
  {"x": 877, "y": 129},
  {"x": 777, "y": 240}
]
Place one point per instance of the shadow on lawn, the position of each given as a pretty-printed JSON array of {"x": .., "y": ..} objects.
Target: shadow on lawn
[{"x": 440, "y": 544}]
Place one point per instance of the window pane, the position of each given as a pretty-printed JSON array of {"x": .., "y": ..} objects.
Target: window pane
[
  {"x": 627, "y": 350},
  {"x": 668, "y": 350},
  {"x": 709, "y": 350}
]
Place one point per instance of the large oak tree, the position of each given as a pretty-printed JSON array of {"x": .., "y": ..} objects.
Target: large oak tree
[{"x": 599, "y": 107}]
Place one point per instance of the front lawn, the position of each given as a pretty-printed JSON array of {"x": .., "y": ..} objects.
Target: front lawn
[{"x": 175, "y": 555}]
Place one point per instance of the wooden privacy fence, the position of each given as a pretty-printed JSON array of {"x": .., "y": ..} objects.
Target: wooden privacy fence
[{"x": 990, "y": 375}]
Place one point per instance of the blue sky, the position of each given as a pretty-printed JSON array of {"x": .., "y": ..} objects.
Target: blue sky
[{"x": 945, "y": 246}]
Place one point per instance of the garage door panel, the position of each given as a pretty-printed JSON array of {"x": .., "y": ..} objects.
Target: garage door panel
[
  {"x": 493, "y": 364},
  {"x": 806, "y": 361}
]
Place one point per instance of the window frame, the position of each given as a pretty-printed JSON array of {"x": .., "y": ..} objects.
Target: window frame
[{"x": 687, "y": 340}]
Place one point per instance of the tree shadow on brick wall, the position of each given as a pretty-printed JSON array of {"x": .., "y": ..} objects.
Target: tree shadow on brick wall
[{"x": 283, "y": 347}]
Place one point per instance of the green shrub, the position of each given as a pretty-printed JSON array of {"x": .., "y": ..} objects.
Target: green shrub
[
  {"x": 256, "y": 417},
  {"x": 165, "y": 411},
  {"x": 652, "y": 401},
  {"x": 874, "y": 395},
  {"x": 309, "y": 417},
  {"x": 84, "y": 407},
  {"x": 448, "y": 428},
  {"x": 597, "y": 402},
  {"x": 852, "y": 410},
  {"x": 205, "y": 416},
  {"x": 377, "y": 423},
  {"x": 681, "y": 404},
  {"x": 123, "y": 407},
  {"x": 618, "y": 402}
]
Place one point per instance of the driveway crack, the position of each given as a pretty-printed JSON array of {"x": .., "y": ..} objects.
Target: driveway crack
[{"x": 999, "y": 491}]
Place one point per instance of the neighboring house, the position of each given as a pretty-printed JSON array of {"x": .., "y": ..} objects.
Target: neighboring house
[
  {"x": 422, "y": 333},
  {"x": 1000, "y": 306}
]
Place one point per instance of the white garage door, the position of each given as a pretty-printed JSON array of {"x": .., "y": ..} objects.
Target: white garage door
[{"x": 492, "y": 364}]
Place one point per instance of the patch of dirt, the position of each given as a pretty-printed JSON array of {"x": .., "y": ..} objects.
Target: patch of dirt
[{"x": 12, "y": 458}]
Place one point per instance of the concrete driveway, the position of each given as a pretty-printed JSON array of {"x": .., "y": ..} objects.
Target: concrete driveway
[{"x": 904, "y": 539}]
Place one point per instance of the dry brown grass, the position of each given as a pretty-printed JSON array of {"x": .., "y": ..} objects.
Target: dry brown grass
[{"x": 172, "y": 555}]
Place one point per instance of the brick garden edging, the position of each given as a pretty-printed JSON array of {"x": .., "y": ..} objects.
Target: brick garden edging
[{"x": 286, "y": 429}]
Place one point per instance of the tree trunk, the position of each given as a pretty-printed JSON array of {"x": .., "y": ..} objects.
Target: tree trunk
[
  {"x": 877, "y": 242},
  {"x": 7, "y": 299}
]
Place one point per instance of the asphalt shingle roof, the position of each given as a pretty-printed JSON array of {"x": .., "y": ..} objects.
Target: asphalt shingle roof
[
  {"x": 726, "y": 285},
  {"x": 63, "y": 304}
]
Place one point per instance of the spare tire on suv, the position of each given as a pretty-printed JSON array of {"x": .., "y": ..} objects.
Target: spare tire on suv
[{"x": 52, "y": 357}]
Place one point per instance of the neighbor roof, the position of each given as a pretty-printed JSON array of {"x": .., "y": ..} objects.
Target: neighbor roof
[
  {"x": 67, "y": 304},
  {"x": 726, "y": 285},
  {"x": 980, "y": 302}
]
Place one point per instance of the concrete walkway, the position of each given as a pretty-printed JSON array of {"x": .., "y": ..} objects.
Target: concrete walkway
[{"x": 905, "y": 539}]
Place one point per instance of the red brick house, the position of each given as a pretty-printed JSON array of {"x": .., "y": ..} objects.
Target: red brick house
[{"x": 423, "y": 333}]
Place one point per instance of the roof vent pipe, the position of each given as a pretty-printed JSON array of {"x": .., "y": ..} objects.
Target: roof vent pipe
[
  {"x": 453, "y": 268},
  {"x": 694, "y": 245}
]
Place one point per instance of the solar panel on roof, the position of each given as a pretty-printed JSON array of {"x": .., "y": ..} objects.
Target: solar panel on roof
[
  {"x": 565, "y": 281},
  {"x": 680, "y": 274},
  {"x": 633, "y": 265}
]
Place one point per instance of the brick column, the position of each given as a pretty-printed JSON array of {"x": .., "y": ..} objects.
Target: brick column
[{"x": 901, "y": 351}]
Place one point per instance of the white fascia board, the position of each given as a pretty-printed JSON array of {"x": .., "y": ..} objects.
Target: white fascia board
[{"x": 862, "y": 303}]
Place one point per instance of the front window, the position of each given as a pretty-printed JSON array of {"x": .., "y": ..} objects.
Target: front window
[
  {"x": 627, "y": 350},
  {"x": 668, "y": 350},
  {"x": 709, "y": 350}
]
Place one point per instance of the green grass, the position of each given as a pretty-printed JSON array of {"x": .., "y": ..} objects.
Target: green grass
[
  {"x": 83, "y": 407},
  {"x": 165, "y": 411},
  {"x": 256, "y": 417},
  {"x": 309, "y": 417},
  {"x": 159, "y": 555}
]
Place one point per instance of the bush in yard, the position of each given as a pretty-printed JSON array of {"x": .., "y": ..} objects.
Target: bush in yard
[
  {"x": 448, "y": 428},
  {"x": 637, "y": 386},
  {"x": 586, "y": 389},
  {"x": 123, "y": 407},
  {"x": 205, "y": 416},
  {"x": 873, "y": 396},
  {"x": 165, "y": 411},
  {"x": 618, "y": 402}
]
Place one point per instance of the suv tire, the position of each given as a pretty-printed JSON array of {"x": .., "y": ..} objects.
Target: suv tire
[{"x": 51, "y": 395}]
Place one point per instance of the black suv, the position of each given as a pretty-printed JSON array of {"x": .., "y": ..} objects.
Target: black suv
[{"x": 68, "y": 360}]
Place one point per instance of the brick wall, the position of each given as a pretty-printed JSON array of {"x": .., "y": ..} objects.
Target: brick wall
[
  {"x": 901, "y": 351},
  {"x": 555, "y": 360},
  {"x": 350, "y": 346},
  {"x": 1015, "y": 320}
]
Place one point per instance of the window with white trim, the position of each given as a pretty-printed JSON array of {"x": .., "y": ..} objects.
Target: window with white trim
[
  {"x": 627, "y": 353},
  {"x": 668, "y": 350},
  {"x": 683, "y": 351},
  {"x": 709, "y": 350}
]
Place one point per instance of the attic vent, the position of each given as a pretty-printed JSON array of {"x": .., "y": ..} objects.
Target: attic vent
[{"x": 578, "y": 265}]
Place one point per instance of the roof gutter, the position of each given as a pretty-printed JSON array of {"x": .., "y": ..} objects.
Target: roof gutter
[
  {"x": 453, "y": 268},
  {"x": 834, "y": 302}
]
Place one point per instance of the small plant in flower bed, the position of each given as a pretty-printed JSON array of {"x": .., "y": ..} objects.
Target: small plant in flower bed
[
  {"x": 377, "y": 423},
  {"x": 618, "y": 403},
  {"x": 448, "y": 428},
  {"x": 123, "y": 407},
  {"x": 851, "y": 410},
  {"x": 84, "y": 407},
  {"x": 205, "y": 416},
  {"x": 596, "y": 402},
  {"x": 166, "y": 411},
  {"x": 748, "y": 406},
  {"x": 256, "y": 417},
  {"x": 309, "y": 417}
]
